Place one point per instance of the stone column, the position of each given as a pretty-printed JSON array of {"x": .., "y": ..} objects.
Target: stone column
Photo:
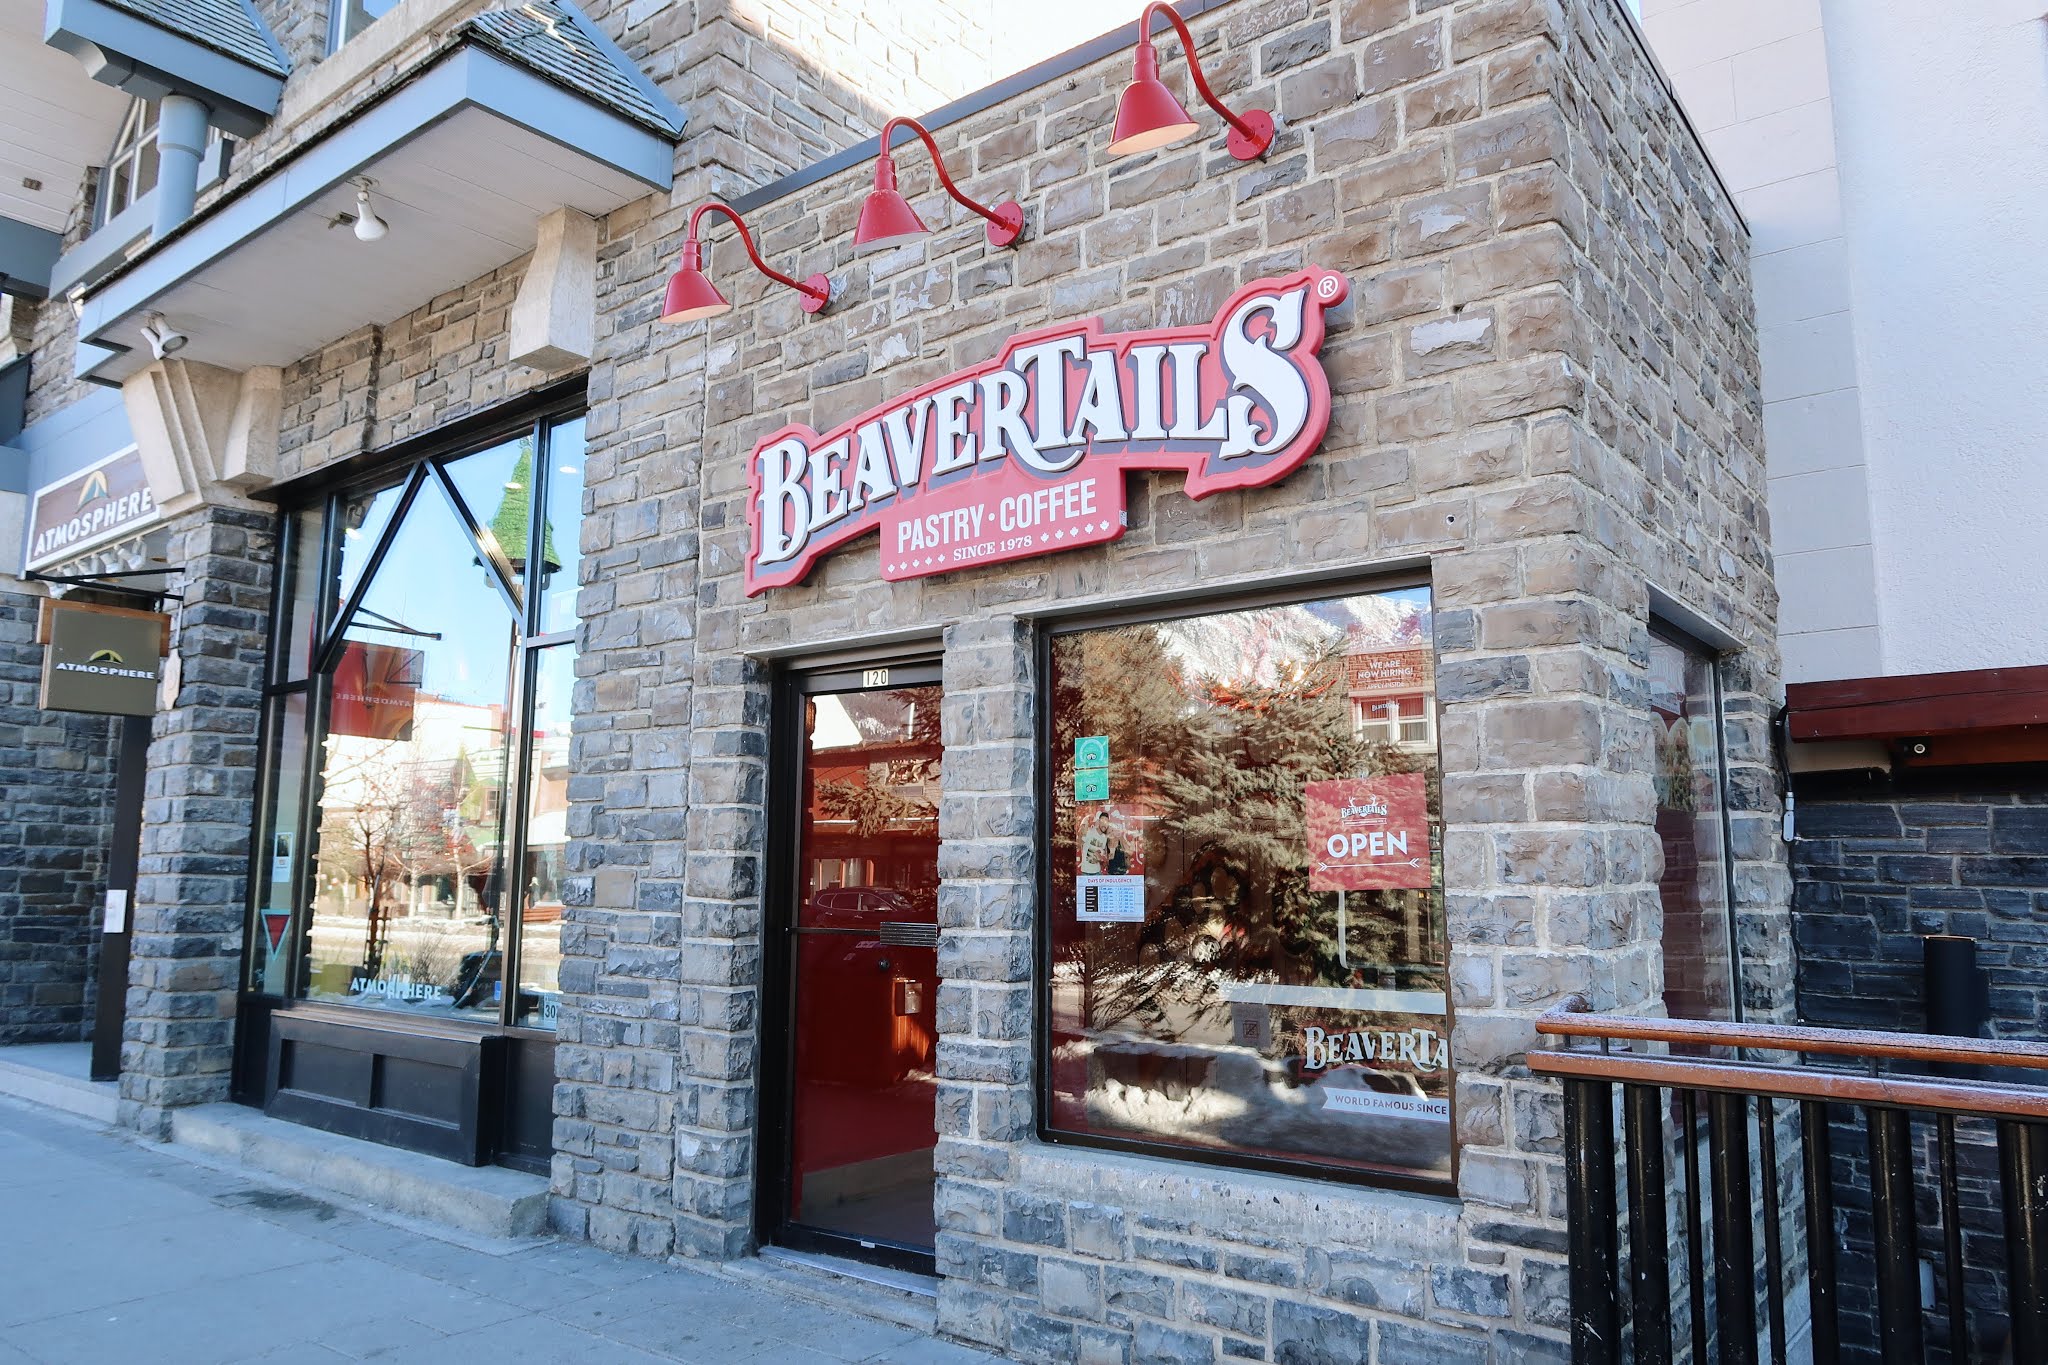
[
  {"x": 987, "y": 865},
  {"x": 199, "y": 806}
]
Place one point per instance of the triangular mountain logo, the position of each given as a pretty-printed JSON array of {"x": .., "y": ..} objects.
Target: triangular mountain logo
[
  {"x": 95, "y": 487},
  {"x": 106, "y": 656}
]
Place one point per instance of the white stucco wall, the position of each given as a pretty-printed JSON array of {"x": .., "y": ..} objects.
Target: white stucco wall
[
  {"x": 1892, "y": 158},
  {"x": 1941, "y": 118},
  {"x": 1753, "y": 76}
]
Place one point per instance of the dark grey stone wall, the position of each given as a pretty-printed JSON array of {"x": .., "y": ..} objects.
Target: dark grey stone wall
[
  {"x": 1877, "y": 867},
  {"x": 1877, "y": 871},
  {"x": 177, "y": 1043},
  {"x": 56, "y": 811}
]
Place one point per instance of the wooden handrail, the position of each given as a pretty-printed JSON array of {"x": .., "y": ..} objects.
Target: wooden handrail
[
  {"x": 1571, "y": 1018},
  {"x": 1794, "y": 1083}
]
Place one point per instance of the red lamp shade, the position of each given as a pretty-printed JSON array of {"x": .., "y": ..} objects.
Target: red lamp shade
[
  {"x": 886, "y": 218},
  {"x": 690, "y": 295},
  {"x": 1148, "y": 116}
]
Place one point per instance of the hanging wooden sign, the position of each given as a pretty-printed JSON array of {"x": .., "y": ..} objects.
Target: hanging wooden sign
[
  {"x": 101, "y": 660},
  {"x": 1026, "y": 455}
]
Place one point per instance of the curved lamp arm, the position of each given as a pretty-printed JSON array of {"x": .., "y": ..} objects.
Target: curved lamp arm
[
  {"x": 1006, "y": 220},
  {"x": 817, "y": 290},
  {"x": 1255, "y": 134}
]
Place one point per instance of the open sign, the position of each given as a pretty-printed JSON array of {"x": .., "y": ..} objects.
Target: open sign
[
  {"x": 1369, "y": 844},
  {"x": 1368, "y": 833}
]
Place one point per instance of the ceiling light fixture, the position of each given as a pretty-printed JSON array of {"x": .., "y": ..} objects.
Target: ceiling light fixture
[
  {"x": 886, "y": 218},
  {"x": 369, "y": 227},
  {"x": 692, "y": 296},
  {"x": 164, "y": 340},
  {"x": 1148, "y": 116}
]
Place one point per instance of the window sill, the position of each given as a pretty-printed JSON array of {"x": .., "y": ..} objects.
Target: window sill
[{"x": 1243, "y": 1205}]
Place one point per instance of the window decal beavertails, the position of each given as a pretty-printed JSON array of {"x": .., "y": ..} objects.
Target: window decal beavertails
[{"x": 1026, "y": 454}]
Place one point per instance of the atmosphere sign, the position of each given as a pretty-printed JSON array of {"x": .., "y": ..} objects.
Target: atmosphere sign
[
  {"x": 1026, "y": 455},
  {"x": 101, "y": 660},
  {"x": 106, "y": 502}
]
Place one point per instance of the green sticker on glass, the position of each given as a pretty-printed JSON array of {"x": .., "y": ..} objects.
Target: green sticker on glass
[
  {"x": 1091, "y": 784},
  {"x": 1091, "y": 751}
]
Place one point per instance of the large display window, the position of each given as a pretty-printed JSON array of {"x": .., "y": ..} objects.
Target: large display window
[
  {"x": 415, "y": 816},
  {"x": 1244, "y": 941}
]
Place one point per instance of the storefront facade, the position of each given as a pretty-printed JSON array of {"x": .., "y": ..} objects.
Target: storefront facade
[{"x": 1075, "y": 768}]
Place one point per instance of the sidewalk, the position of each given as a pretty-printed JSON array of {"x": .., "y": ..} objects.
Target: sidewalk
[{"x": 117, "y": 1252}]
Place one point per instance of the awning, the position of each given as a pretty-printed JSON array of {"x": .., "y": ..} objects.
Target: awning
[
  {"x": 527, "y": 111},
  {"x": 1922, "y": 705}
]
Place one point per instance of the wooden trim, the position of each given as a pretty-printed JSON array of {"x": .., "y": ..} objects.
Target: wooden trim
[
  {"x": 1570, "y": 1020},
  {"x": 1919, "y": 704},
  {"x": 1892, "y": 1092}
]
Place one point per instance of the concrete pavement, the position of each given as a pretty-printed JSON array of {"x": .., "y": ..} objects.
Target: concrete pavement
[{"x": 113, "y": 1250}]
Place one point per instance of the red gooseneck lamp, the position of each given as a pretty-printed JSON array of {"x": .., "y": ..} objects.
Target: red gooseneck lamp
[
  {"x": 886, "y": 218},
  {"x": 691, "y": 296},
  {"x": 1149, "y": 117}
]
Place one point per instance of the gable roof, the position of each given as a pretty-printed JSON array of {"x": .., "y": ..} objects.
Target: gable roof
[
  {"x": 231, "y": 27},
  {"x": 553, "y": 39}
]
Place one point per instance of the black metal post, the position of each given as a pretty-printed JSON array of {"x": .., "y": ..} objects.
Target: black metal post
[
  {"x": 1774, "y": 1251},
  {"x": 1893, "y": 1220},
  {"x": 1595, "y": 1255},
  {"x": 2023, "y": 1179},
  {"x": 1734, "y": 1234},
  {"x": 1695, "y": 1232},
  {"x": 1952, "y": 1241},
  {"x": 110, "y": 1003},
  {"x": 1649, "y": 1235},
  {"x": 1820, "y": 1231}
]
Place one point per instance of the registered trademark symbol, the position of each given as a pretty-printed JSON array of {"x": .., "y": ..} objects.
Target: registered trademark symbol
[{"x": 1328, "y": 286}]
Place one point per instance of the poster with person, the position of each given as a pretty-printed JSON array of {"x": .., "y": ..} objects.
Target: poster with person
[{"x": 1110, "y": 839}]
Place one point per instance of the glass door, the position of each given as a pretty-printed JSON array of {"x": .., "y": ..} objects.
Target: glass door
[{"x": 860, "y": 933}]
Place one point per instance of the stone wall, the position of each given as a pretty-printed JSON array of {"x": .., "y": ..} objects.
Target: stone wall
[
  {"x": 444, "y": 360},
  {"x": 1878, "y": 866},
  {"x": 1878, "y": 870},
  {"x": 199, "y": 804},
  {"x": 56, "y": 817},
  {"x": 1545, "y": 389}
]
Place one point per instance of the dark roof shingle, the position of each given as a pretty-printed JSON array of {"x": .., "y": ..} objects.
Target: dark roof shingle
[
  {"x": 551, "y": 38},
  {"x": 227, "y": 26}
]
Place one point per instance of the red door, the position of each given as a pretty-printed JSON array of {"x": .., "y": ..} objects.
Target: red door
[{"x": 864, "y": 971}]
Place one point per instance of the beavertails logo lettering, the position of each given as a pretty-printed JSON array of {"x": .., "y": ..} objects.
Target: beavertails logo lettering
[{"x": 1026, "y": 455}]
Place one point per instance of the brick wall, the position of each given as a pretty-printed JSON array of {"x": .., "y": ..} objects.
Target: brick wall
[{"x": 57, "y": 773}]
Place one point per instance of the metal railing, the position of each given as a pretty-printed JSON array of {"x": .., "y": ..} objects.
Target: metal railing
[{"x": 1716, "y": 1312}]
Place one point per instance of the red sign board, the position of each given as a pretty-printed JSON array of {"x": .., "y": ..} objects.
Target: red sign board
[
  {"x": 1026, "y": 454},
  {"x": 1389, "y": 670},
  {"x": 375, "y": 687},
  {"x": 1368, "y": 833}
]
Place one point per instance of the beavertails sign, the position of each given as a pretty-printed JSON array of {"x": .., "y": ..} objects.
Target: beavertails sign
[{"x": 1026, "y": 455}]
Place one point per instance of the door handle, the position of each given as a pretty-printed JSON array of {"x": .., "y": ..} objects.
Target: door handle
[{"x": 882, "y": 965}]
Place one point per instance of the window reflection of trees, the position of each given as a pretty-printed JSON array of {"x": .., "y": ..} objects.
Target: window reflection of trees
[{"x": 1217, "y": 725}]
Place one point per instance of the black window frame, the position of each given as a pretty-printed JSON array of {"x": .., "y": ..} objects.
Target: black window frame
[
  {"x": 408, "y": 467},
  {"x": 1177, "y": 609}
]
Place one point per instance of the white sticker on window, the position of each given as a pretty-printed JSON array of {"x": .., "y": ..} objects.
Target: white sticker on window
[{"x": 1110, "y": 898}]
